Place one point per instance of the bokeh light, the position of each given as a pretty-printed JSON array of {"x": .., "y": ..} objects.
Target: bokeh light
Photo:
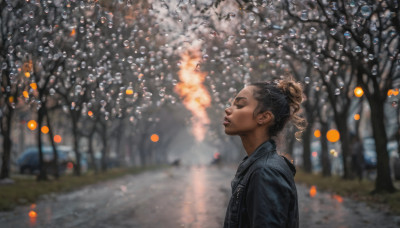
[
  {"x": 313, "y": 191},
  {"x": 57, "y": 138},
  {"x": 358, "y": 92},
  {"x": 357, "y": 116},
  {"x": 314, "y": 154},
  {"x": 32, "y": 214},
  {"x": 317, "y": 133},
  {"x": 33, "y": 85},
  {"x": 45, "y": 129},
  {"x": 154, "y": 138},
  {"x": 129, "y": 91},
  {"x": 32, "y": 125},
  {"x": 25, "y": 94},
  {"x": 333, "y": 135}
]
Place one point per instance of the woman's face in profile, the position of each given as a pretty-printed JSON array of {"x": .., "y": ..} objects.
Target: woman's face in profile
[{"x": 239, "y": 118}]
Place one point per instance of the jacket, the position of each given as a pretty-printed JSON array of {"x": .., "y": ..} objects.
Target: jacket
[{"x": 263, "y": 191}]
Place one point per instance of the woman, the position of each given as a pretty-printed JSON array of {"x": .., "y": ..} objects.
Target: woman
[{"x": 263, "y": 190}]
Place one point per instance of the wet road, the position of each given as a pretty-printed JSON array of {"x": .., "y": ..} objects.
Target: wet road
[{"x": 178, "y": 197}]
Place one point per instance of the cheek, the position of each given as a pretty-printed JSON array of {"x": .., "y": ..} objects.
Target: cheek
[{"x": 245, "y": 117}]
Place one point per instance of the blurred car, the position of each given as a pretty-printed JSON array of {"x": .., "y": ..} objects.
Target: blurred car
[
  {"x": 371, "y": 160},
  {"x": 370, "y": 151},
  {"x": 72, "y": 159},
  {"x": 28, "y": 161}
]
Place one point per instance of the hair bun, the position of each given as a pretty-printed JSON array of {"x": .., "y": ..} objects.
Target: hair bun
[{"x": 294, "y": 92}]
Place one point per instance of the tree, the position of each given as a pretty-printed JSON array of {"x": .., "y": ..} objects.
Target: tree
[
  {"x": 11, "y": 64},
  {"x": 365, "y": 33}
]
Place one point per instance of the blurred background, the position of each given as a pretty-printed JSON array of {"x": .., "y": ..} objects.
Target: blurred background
[{"x": 91, "y": 86}]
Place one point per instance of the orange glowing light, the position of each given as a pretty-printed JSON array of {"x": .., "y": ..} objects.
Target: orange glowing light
[
  {"x": 27, "y": 74},
  {"x": 32, "y": 214},
  {"x": 45, "y": 129},
  {"x": 25, "y": 94},
  {"x": 32, "y": 125},
  {"x": 27, "y": 67},
  {"x": 393, "y": 92},
  {"x": 333, "y": 135},
  {"x": 154, "y": 138},
  {"x": 73, "y": 32},
  {"x": 191, "y": 89},
  {"x": 317, "y": 133},
  {"x": 337, "y": 198},
  {"x": 70, "y": 165},
  {"x": 357, "y": 116},
  {"x": 358, "y": 91},
  {"x": 314, "y": 154},
  {"x": 11, "y": 99},
  {"x": 90, "y": 113},
  {"x": 313, "y": 191},
  {"x": 33, "y": 85},
  {"x": 129, "y": 91},
  {"x": 57, "y": 138}
]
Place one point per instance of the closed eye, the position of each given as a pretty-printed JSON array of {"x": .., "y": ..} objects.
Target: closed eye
[{"x": 239, "y": 106}]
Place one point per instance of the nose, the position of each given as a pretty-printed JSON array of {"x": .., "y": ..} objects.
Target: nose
[{"x": 228, "y": 111}]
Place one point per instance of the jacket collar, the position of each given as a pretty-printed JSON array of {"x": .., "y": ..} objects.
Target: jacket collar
[{"x": 264, "y": 149}]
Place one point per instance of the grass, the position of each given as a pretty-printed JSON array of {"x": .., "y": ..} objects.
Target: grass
[
  {"x": 27, "y": 190},
  {"x": 354, "y": 189}
]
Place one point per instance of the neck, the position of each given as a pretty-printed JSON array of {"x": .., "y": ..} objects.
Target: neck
[{"x": 252, "y": 141}]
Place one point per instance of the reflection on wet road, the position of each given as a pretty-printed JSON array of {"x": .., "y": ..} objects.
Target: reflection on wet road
[
  {"x": 178, "y": 197},
  {"x": 194, "y": 208}
]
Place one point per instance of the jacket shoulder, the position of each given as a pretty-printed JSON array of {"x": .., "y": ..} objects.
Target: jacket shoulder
[{"x": 274, "y": 162}]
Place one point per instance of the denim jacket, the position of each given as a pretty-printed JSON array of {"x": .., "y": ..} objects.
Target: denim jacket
[{"x": 263, "y": 191}]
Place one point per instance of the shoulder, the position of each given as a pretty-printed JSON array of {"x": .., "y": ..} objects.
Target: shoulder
[{"x": 274, "y": 166}]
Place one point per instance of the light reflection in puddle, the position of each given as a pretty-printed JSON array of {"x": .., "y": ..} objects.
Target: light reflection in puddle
[{"x": 194, "y": 208}]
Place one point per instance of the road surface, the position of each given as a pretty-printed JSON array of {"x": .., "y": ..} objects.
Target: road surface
[{"x": 178, "y": 197}]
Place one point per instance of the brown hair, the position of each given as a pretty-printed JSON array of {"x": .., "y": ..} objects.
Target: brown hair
[{"x": 283, "y": 99}]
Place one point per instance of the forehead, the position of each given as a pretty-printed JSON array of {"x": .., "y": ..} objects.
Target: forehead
[{"x": 246, "y": 92}]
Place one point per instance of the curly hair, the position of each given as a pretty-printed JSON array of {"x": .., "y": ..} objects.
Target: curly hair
[{"x": 282, "y": 98}]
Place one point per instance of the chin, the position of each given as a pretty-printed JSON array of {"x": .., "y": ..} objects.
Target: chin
[{"x": 230, "y": 132}]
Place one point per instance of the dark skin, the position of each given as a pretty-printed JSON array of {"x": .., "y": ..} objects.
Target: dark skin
[{"x": 240, "y": 120}]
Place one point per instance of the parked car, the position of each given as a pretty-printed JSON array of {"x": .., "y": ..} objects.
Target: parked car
[
  {"x": 72, "y": 158},
  {"x": 28, "y": 161},
  {"x": 371, "y": 160}
]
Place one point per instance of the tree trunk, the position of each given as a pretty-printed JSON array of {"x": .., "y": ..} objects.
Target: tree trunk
[
  {"x": 77, "y": 166},
  {"x": 55, "y": 158},
  {"x": 341, "y": 123},
  {"x": 383, "y": 181},
  {"x": 306, "y": 138},
  {"x": 42, "y": 168},
  {"x": 325, "y": 161},
  {"x": 142, "y": 153},
  {"x": 91, "y": 153},
  {"x": 398, "y": 129},
  {"x": 104, "y": 152},
  {"x": 7, "y": 143},
  {"x": 118, "y": 139}
]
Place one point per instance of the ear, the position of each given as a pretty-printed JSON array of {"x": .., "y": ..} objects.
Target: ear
[{"x": 265, "y": 118}]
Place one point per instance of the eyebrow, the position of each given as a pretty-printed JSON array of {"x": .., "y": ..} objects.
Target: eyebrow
[{"x": 240, "y": 98}]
